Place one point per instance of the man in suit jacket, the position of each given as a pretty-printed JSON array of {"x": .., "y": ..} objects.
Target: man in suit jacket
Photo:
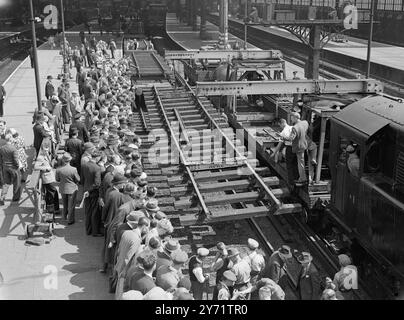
[
  {"x": 74, "y": 146},
  {"x": 81, "y": 128},
  {"x": 11, "y": 172},
  {"x": 2, "y": 97},
  {"x": 91, "y": 179},
  {"x": 143, "y": 280},
  {"x": 49, "y": 88},
  {"x": 309, "y": 279},
  {"x": 39, "y": 132},
  {"x": 68, "y": 178},
  {"x": 299, "y": 144}
]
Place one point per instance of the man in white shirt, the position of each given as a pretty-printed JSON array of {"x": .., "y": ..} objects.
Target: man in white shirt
[
  {"x": 290, "y": 157},
  {"x": 241, "y": 269},
  {"x": 255, "y": 260}
]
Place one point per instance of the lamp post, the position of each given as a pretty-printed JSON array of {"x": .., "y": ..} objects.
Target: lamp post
[
  {"x": 245, "y": 24},
  {"x": 372, "y": 13},
  {"x": 64, "y": 38},
  {"x": 35, "y": 54}
]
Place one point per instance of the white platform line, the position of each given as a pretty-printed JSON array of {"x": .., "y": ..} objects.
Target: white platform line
[{"x": 15, "y": 70}]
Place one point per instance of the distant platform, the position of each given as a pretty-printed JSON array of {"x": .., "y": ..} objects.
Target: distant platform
[
  {"x": 183, "y": 35},
  {"x": 387, "y": 60}
]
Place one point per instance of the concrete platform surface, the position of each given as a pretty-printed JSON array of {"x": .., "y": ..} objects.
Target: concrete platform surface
[{"x": 67, "y": 268}]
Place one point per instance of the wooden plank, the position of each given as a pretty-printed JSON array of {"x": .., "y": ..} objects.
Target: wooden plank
[
  {"x": 238, "y": 214},
  {"x": 289, "y": 208},
  {"x": 186, "y": 202},
  {"x": 238, "y": 185},
  {"x": 205, "y": 176}
]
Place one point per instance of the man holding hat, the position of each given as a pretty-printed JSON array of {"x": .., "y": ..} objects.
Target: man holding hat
[
  {"x": 168, "y": 277},
  {"x": 220, "y": 264},
  {"x": 196, "y": 275},
  {"x": 277, "y": 267},
  {"x": 49, "y": 88},
  {"x": 69, "y": 179},
  {"x": 309, "y": 279},
  {"x": 255, "y": 260}
]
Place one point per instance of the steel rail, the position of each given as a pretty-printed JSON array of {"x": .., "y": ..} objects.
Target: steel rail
[
  {"x": 143, "y": 119},
  {"x": 201, "y": 200},
  {"x": 136, "y": 65},
  {"x": 277, "y": 204}
]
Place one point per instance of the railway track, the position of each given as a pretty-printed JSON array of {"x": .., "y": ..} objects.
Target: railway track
[{"x": 190, "y": 135}]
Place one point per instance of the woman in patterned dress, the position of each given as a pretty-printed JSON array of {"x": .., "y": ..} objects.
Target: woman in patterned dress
[{"x": 19, "y": 143}]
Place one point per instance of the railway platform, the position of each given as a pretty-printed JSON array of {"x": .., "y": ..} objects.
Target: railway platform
[
  {"x": 386, "y": 60},
  {"x": 71, "y": 258}
]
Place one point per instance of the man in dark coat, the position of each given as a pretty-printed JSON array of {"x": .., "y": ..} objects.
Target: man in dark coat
[
  {"x": 91, "y": 178},
  {"x": 308, "y": 285},
  {"x": 2, "y": 97},
  {"x": 68, "y": 178},
  {"x": 11, "y": 173},
  {"x": 39, "y": 132},
  {"x": 49, "y": 88},
  {"x": 81, "y": 128},
  {"x": 74, "y": 146}
]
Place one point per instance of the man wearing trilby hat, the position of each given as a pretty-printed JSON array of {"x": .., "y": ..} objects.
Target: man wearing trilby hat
[
  {"x": 277, "y": 267},
  {"x": 69, "y": 179},
  {"x": 308, "y": 285}
]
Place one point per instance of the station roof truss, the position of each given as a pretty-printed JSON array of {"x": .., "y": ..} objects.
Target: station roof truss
[{"x": 302, "y": 29}]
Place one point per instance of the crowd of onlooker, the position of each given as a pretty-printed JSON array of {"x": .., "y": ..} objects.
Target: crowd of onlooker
[{"x": 102, "y": 168}]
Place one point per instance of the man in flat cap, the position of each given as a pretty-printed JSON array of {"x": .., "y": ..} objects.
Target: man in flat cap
[
  {"x": 227, "y": 282},
  {"x": 168, "y": 277},
  {"x": 346, "y": 279},
  {"x": 196, "y": 275},
  {"x": 277, "y": 267},
  {"x": 255, "y": 260},
  {"x": 69, "y": 179}
]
